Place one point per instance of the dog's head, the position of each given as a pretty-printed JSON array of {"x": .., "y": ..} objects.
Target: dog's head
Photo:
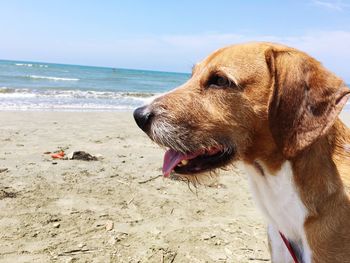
[{"x": 244, "y": 102}]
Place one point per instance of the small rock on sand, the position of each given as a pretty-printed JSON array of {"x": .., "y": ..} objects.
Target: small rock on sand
[{"x": 109, "y": 225}]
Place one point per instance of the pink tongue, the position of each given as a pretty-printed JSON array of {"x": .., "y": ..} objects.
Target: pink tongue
[{"x": 171, "y": 159}]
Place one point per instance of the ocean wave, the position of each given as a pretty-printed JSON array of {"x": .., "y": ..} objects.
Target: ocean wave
[
  {"x": 63, "y": 107},
  {"x": 31, "y": 65},
  {"x": 71, "y": 100},
  {"x": 52, "y": 78},
  {"x": 6, "y": 92},
  {"x": 10, "y": 93},
  {"x": 24, "y": 65}
]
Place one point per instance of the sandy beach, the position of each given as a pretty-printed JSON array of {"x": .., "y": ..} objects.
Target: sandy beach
[{"x": 118, "y": 208}]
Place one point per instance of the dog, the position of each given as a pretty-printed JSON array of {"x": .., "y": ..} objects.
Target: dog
[{"x": 275, "y": 109}]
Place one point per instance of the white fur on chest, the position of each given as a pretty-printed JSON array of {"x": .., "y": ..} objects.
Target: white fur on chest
[{"x": 278, "y": 198}]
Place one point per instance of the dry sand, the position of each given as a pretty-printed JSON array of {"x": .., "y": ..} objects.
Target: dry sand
[{"x": 106, "y": 210}]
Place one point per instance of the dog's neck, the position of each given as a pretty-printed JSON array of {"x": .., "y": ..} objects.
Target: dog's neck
[
  {"x": 341, "y": 155},
  {"x": 318, "y": 171},
  {"x": 327, "y": 161},
  {"x": 321, "y": 174},
  {"x": 307, "y": 191}
]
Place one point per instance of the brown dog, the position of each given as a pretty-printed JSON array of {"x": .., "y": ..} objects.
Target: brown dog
[{"x": 275, "y": 109}]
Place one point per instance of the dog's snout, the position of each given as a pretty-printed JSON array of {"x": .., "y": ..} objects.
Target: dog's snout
[{"x": 143, "y": 117}]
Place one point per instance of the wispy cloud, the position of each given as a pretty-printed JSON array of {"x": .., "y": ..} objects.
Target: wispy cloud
[
  {"x": 333, "y": 5},
  {"x": 179, "y": 52}
]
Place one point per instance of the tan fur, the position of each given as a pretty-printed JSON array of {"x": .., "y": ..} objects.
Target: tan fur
[{"x": 285, "y": 107}]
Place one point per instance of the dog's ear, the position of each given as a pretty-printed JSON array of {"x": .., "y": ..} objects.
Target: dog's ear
[{"x": 305, "y": 99}]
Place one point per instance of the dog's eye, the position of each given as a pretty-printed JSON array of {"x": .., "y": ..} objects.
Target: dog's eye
[
  {"x": 218, "y": 81},
  {"x": 221, "y": 81}
]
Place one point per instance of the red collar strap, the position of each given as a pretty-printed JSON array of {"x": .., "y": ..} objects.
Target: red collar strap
[{"x": 289, "y": 247}]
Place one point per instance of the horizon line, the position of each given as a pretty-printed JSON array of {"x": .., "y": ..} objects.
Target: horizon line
[{"x": 94, "y": 66}]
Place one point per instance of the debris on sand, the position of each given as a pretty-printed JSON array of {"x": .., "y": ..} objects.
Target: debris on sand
[
  {"x": 150, "y": 179},
  {"x": 58, "y": 155},
  {"x": 2, "y": 170},
  {"x": 76, "y": 155},
  {"x": 7, "y": 194},
  {"x": 81, "y": 155},
  {"x": 76, "y": 252}
]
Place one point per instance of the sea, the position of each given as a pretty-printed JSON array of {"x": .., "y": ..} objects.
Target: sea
[{"x": 59, "y": 87}]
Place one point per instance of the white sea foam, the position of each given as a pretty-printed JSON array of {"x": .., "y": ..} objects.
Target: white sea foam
[
  {"x": 31, "y": 65},
  {"x": 79, "y": 93},
  {"x": 5, "y": 89},
  {"x": 24, "y": 65},
  {"x": 26, "y": 99},
  {"x": 64, "y": 107},
  {"x": 52, "y": 78}
]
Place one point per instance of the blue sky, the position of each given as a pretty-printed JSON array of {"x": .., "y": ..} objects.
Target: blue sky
[{"x": 169, "y": 35}]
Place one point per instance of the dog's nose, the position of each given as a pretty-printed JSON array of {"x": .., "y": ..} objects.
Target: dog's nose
[{"x": 143, "y": 117}]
